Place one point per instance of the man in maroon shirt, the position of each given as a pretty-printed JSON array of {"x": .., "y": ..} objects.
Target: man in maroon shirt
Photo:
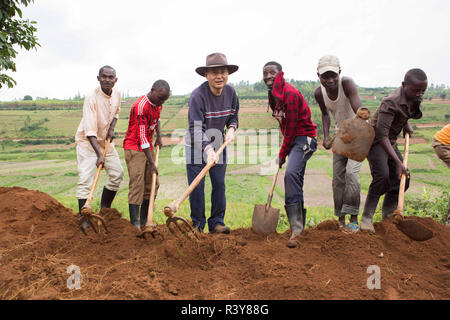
[
  {"x": 299, "y": 143},
  {"x": 138, "y": 147}
]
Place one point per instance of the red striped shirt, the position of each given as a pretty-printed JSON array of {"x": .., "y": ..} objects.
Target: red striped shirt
[{"x": 144, "y": 117}]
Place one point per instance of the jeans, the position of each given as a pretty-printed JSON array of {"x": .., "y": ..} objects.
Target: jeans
[
  {"x": 197, "y": 196},
  {"x": 302, "y": 149}
]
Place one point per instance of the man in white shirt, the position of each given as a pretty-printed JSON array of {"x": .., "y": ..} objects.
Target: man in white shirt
[{"x": 100, "y": 113}]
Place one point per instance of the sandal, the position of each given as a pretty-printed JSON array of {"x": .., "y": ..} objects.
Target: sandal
[{"x": 352, "y": 227}]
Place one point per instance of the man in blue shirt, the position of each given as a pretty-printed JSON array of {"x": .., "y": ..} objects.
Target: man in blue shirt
[{"x": 213, "y": 106}]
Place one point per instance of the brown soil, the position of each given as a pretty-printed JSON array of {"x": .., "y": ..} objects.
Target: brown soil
[{"x": 39, "y": 240}]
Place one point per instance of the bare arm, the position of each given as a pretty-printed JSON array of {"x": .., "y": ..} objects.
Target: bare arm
[
  {"x": 94, "y": 143},
  {"x": 149, "y": 156},
  {"x": 407, "y": 129},
  {"x": 158, "y": 141},
  {"x": 399, "y": 167},
  {"x": 111, "y": 129},
  {"x": 325, "y": 118},
  {"x": 351, "y": 91}
]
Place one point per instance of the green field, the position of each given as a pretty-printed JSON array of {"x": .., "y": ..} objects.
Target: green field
[{"x": 30, "y": 158}]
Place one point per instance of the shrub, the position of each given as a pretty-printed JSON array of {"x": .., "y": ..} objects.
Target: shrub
[{"x": 427, "y": 205}]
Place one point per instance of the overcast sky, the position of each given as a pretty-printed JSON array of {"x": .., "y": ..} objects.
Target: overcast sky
[{"x": 377, "y": 41}]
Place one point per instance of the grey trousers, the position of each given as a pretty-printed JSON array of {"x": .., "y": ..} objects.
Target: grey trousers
[{"x": 346, "y": 187}]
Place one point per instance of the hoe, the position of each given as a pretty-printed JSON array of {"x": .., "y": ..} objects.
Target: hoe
[
  {"x": 413, "y": 229},
  {"x": 185, "y": 227},
  {"x": 150, "y": 226},
  {"x": 95, "y": 220}
]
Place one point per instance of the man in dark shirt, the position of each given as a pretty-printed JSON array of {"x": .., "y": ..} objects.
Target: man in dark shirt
[
  {"x": 212, "y": 106},
  {"x": 385, "y": 160},
  {"x": 299, "y": 143}
]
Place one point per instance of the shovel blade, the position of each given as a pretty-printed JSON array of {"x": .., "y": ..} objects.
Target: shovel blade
[
  {"x": 265, "y": 222},
  {"x": 415, "y": 230}
]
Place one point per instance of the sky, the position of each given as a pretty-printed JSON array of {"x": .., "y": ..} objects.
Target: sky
[{"x": 377, "y": 41}]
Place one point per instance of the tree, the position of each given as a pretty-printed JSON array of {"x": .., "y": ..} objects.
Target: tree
[
  {"x": 14, "y": 31},
  {"x": 27, "y": 97}
]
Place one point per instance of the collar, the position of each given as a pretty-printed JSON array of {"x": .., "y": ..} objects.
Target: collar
[
  {"x": 104, "y": 94},
  {"x": 408, "y": 107},
  {"x": 151, "y": 103}
]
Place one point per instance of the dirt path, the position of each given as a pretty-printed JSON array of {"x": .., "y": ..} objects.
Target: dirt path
[{"x": 317, "y": 186}]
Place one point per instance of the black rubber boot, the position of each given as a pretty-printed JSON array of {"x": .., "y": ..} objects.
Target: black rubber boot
[
  {"x": 369, "y": 210},
  {"x": 134, "y": 214},
  {"x": 81, "y": 203},
  {"x": 390, "y": 203},
  {"x": 144, "y": 212},
  {"x": 295, "y": 216},
  {"x": 304, "y": 214},
  {"x": 107, "y": 197}
]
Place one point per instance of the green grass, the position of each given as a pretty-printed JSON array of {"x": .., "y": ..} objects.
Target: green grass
[{"x": 40, "y": 166}]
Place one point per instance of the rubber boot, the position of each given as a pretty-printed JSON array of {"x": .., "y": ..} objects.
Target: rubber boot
[
  {"x": 134, "y": 214},
  {"x": 107, "y": 197},
  {"x": 390, "y": 203},
  {"x": 81, "y": 203},
  {"x": 369, "y": 210},
  {"x": 304, "y": 214},
  {"x": 144, "y": 212},
  {"x": 295, "y": 216}
]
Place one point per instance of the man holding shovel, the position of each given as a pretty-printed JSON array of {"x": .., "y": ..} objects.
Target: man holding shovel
[
  {"x": 385, "y": 160},
  {"x": 299, "y": 133},
  {"x": 339, "y": 96},
  {"x": 212, "y": 106},
  {"x": 100, "y": 113},
  {"x": 138, "y": 147}
]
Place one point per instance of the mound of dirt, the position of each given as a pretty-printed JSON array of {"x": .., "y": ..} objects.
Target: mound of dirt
[{"x": 41, "y": 251}]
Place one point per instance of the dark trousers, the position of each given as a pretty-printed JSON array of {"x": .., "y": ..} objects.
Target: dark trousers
[
  {"x": 197, "y": 197},
  {"x": 302, "y": 149},
  {"x": 384, "y": 178}
]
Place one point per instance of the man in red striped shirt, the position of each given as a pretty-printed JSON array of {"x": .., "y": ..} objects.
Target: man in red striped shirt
[
  {"x": 299, "y": 132},
  {"x": 138, "y": 147}
]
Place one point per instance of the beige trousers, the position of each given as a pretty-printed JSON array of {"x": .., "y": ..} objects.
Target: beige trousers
[
  {"x": 442, "y": 151},
  {"x": 87, "y": 166},
  {"x": 140, "y": 176}
]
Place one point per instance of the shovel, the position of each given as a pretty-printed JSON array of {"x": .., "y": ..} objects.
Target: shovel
[
  {"x": 150, "y": 226},
  {"x": 170, "y": 210},
  {"x": 265, "y": 218},
  {"x": 413, "y": 229},
  {"x": 94, "y": 220}
]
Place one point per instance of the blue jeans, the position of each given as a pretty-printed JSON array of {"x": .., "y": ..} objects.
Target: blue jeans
[
  {"x": 197, "y": 196},
  {"x": 301, "y": 151}
]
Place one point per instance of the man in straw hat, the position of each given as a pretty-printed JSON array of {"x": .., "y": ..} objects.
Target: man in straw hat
[{"x": 213, "y": 106}]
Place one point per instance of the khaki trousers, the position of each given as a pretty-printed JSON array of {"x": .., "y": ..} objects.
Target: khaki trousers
[
  {"x": 442, "y": 151},
  {"x": 87, "y": 166},
  {"x": 140, "y": 177}
]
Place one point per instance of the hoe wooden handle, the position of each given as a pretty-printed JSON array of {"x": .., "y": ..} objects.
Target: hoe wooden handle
[
  {"x": 97, "y": 175},
  {"x": 401, "y": 192},
  {"x": 174, "y": 205},
  {"x": 152, "y": 192},
  {"x": 274, "y": 182}
]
